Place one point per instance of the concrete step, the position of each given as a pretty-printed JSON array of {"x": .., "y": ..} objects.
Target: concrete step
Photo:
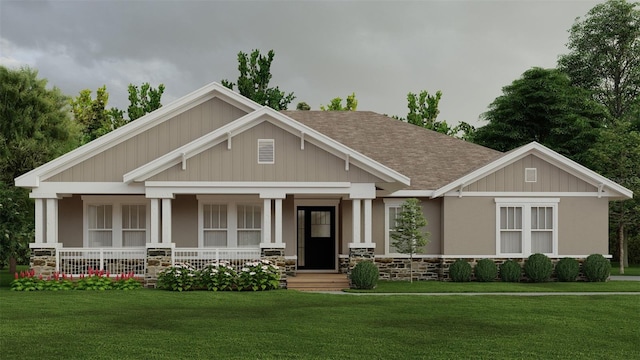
[{"x": 318, "y": 282}]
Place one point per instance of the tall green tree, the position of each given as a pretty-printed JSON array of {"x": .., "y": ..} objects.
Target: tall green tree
[
  {"x": 542, "y": 106},
  {"x": 336, "y": 104},
  {"x": 604, "y": 56},
  {"x": 616, "y": 155},
  {"x": 254, "y": 79},
  {"x": 143, "y": 100},
  {"x": 92, "y": 114},
  {"x": 424, "y": 111},
  {"x": 34, "y": 128},
  {"x": 408, "y": 236}
]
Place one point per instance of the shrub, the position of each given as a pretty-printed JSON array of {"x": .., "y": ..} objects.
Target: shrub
[
  {"x": 218, "y": 276},
  {"x": 510, "y": 271},
  {"x": 258, "y": 275},
  {"x": 126, "y": 282},
  {"x": 567, "y": 269},
  {"x": 486, "y": 270},
  {"x": 364, "y": 275},
  {"x": 596, "y": 268},
  {"x": 94, "y": 282},
  {"x": 538, "y": 268},
  {"x": 181, "y": 277},
  {"x": 460, "y": 271}
]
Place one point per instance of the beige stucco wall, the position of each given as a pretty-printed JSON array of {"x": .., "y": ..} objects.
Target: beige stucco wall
[
  {"x": 111, "y": 164},
  {"x": 241, "y": 162},
  {"x": 289, "y": 226},
  {"x": 470, "y": 226},
  {"x": 70, "y": 221},
  {"x": 550, "y": 178},
  {"x": 184, "y": 222},
  {"x": 583, "y": 226}
]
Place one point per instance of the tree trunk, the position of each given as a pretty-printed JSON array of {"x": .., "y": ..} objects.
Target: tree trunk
[
  {"x": 411, "y": 268},
  {"x": 621, "y": 247},
  {"x": 12, "y": 265},
  {"x": 626, "y": 253}
]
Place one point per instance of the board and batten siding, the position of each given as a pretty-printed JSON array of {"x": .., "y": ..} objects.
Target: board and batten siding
[
  {"x": 549, "y": 178},
  {"x": 113, "y": 163},
  {"x": 240, "y": 163}
]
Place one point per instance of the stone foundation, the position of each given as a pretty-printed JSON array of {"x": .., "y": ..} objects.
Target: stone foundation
[
  {"x": 276, "y": 256},
  {"x": 157, "y": 260},
  {"x": 43, "y": 261},
  {"x": 357, "y": 255},
  {"x": 401, "y": 268}
]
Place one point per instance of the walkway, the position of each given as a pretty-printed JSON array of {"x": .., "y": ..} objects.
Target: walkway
[{"x": 483, "y": 294}]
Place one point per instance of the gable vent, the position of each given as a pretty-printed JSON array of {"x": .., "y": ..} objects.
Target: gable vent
[
  {"x": 266, "y": 151},
  {"x": 530, "y": 175}
]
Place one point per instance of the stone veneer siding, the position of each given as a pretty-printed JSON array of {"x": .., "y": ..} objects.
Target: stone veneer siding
[
  {"x": 43, "y": 261},
  {"x": 276, "y": 256},
  {"x": 357, "y": 255},
  {"x": 158, "y": 259}
]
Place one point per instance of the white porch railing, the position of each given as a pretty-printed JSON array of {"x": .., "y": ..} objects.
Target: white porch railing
[
  {"x": 200, "y": 258},
  {"x": 77, "y": 261}
]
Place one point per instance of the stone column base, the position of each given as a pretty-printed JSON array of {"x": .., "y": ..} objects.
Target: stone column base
[
  {"x": 158, "y": 259},
  {"x": 357, "y": 255},
  {"x": 43, "y": 261},
  {"x": 276, "y": 256}
]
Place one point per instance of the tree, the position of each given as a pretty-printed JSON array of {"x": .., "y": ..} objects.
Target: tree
[
  {"x": 604, "y": 56},
  {"x": 143, "y": 100},
  {"x": 542, "y": 106},
  {"x": 303, "y": 106},
  {"x": 34, "y": 128},
  {"x": 336, "y": 104},
  {"x": 92, "y": 114},
  {"x": 616, "y": 155},
  {"x": 253, "y": 82},
  {"x": 408, "y": 236},
  {"x": 423, "y": 112}
]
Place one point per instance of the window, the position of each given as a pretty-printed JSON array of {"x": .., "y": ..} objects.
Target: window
[
  {"x": 229, "y": 222},
  {"x": 249, "y": 220},
  {"x": 392, "y": 208},
  {"x": 215, "y": 225},
  {"x": 115, "y": 221},
  {"x": 527, "y": 226},
  {"x": 100, "y": 225},
  {"x": 266, "y": 151}
]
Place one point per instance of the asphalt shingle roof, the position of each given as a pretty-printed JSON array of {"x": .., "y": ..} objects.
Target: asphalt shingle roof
[{"x": 430, "y": 159}]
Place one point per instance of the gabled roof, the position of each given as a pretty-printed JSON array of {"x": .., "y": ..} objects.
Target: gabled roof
[
  {"x": 226, "y": 133},
  {"x": 213, "y": 90},
  {"x": 544, "y": 153},
  {"x": 430, "y": 159}
]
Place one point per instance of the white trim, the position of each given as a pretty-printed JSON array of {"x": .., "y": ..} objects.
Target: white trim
[
  {"x": 39, "y": 221},
  {"x": 33, "y": 178},
  {"x": 266, "y": 223},
  {"x": 367, "y": 226},
  {"x": 267, "y": 190},
  {"x": 252, "y": 119},
  {"x": 408, "y": 193},
  {"x": 232, "y": 228},
  {"x": 355, "y": 222},
  {"x": 154, "y": 230},
  {"x": 53, "y": 188},
  {"x": 52, "y": 221},
  {"x": 528, "y": 172},
  {"x": 526, "y": 204},
  {"x": 530, "y": 194},
  {"x": 388, "y": 204},
  {"x": 166, "y": 221},
  {"x": 545, "y": 154},
  {"x": 278, "y": 221}
]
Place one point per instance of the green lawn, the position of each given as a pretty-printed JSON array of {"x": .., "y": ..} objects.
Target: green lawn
[
  {"x": 451, "y": 287},
  {"x": 632, "y": 270}
]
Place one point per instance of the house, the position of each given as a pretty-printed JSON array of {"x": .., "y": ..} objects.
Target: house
[{"x": 215, "y": 176}]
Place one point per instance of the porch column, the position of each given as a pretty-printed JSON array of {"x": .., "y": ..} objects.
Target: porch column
[
  {"x": 356, "y": 221},
  {"x": 166, "y": 221},
  {"x": 39, "y": 235},
  {"x": 154, "y": 231},
  {"x": 266, "y": 224},
  {"x": 52, "y": 221},
  {"x": 367, "y": 221},
  {"x": 278, "y": 223}
]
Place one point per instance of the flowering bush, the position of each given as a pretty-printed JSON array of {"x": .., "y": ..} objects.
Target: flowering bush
[
  {"x": 258, "y": 275},
  {"x": 218, "y": 276},
  {"x": 96, "y": 280},
  {"x": 180, "y": 277}
]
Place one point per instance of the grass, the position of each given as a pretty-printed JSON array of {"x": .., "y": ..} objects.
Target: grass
[
  {"x": 153, "y": 324},
  {"x": 479, "y": 287},
  {"x": 632, "y": 270}
]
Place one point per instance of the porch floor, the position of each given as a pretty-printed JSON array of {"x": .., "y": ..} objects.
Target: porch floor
[{"x": 318, "y": 282}]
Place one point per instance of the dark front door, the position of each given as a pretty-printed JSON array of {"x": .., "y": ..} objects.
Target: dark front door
[{"x": 316, "y": 238}]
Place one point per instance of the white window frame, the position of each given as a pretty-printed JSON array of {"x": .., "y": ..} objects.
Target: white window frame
[
  {"x": 526, "y": 204},
  {"x": 388, "y": 204},
  {"x": 116, "y": 203},
  {"x": 232, "y": 216},
  {"x": 201, "y": 219}
]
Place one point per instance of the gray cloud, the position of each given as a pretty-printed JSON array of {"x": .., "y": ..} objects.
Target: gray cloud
[{"x": 379, "y": 50}]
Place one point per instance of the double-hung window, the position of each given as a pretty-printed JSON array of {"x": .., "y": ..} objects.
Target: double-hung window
[
  {"x": 229, "y": 223},
  {"x": 392, "y": 208},
  {"x": 112, "y": 221},
  {"x": 526, "y": 226}
]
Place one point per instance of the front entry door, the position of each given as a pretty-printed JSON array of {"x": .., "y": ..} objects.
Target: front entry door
[{"x": 316, "y": 238}]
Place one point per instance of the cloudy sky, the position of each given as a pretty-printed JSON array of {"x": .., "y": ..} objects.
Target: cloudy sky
[{"x": 381, "y": 50}]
